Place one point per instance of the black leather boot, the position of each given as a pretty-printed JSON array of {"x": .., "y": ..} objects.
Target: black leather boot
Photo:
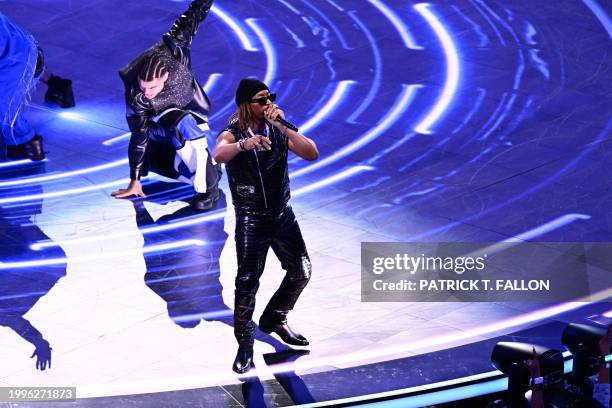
[
  {"x": 204, "y": 201},
  {"x": 280, "y": 327},
  {"x": 244, "y": 360},
  {"x": 60, "y": 92},
  {"x": 32, "y": 149}
]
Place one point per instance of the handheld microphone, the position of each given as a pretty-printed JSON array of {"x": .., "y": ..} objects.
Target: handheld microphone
[
  {"x": 284, "y": 122},
  {"x": 287, "y": 124}
]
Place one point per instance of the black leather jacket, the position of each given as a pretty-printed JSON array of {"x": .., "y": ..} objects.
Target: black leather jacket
[
  {"x": 259, "y": 180},
  {"x": 176, "y": 43}
]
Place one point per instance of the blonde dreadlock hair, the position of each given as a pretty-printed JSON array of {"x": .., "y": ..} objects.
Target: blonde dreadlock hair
[{"x": 245, "y": 116}]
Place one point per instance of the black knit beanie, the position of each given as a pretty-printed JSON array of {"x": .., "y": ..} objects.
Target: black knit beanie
[{"x": 248, "y": 88}]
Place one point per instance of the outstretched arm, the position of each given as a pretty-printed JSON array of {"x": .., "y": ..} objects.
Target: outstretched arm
[
  {"x": 181, "y": 34},
  {"x": 138, "y": 145},
  {"x": 137, "y": 122},
  {"x": 24, "y": 328},
  {"x": 227, "y": 148}
]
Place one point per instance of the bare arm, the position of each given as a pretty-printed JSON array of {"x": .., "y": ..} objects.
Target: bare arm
[
  {"x": 226, "y": 147},
  {"x": 299, "y": 144},
  {"x": 302, "y": 145}
]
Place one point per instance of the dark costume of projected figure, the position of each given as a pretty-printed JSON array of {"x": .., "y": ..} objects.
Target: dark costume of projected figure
[
  {"x": 167, "y": 113},
  {"x": 254, "y": 147}
]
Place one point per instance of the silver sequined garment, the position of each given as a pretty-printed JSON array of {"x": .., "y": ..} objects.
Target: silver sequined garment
[{"x": 178, "y": 89}]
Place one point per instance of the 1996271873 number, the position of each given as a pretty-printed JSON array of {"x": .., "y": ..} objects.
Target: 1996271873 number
[{"x": 26, "y": 394}]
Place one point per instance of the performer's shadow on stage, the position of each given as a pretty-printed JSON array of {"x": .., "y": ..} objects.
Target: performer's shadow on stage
[
  {"x": 253, "y": 390},
  {"x": 188, "y": 280},
  {"x": 22, "y": 287}
]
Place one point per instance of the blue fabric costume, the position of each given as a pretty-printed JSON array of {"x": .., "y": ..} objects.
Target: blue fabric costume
[{"x": 18, "y": 59}]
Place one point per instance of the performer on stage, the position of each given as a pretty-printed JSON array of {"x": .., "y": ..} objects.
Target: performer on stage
[
  {"x": 167, "y": 113},
  {"x": 254, "y": 147},
  {"x": 22, "y": 65}
]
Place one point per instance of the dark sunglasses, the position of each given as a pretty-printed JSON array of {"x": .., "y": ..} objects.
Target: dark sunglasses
[{"x": 264, "y": 99}]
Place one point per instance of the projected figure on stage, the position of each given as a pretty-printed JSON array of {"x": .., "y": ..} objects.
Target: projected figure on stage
[
  {"x": 167, "y": 113},
  {"x": 255, "y": 147},
  {"x": 22, "y": 288},
  {"x": 22, "y": 65}
]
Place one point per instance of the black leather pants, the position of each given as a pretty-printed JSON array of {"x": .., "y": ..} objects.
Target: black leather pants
[{"x": 256, "y": 232}]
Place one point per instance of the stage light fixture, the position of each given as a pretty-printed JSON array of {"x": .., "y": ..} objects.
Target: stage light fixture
[
  {"x": 583, "y": 342},
  {"x": 510, "y": 358}
]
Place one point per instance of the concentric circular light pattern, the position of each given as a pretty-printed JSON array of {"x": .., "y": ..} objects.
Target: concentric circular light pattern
[
  {"x": 436, "y": 121},
  {"x": 269, "y": 49},
  {"x": 99, "y": 257},
  {"x": 189, "y": 222},
  {"x": 71, "y": 116},
  {"x": 333, "y": 102},
  {"x": 333, "y": 180},
  {"x": 17, "y": 163},
  {"x": 401, "y": 28},
  {"x": 549, "y": 227},
  {"x": 375, "y": 87},
  {"x": 601, "y": 15},
  {"x": 238, "y": 30},
  {"x": 113, "y": 140},
  {"x": 452, "y": 69},
  {"x": 531, "y": 189},
  {"x": 63, "y": 193},
  {"x": 210, "y": 83},
  {"x": 388, "y": 120},
  {"x": 67, "y": 174}
]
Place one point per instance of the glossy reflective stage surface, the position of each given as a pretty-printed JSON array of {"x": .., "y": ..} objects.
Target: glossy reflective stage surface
[{"x": 446, "y": 121}]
